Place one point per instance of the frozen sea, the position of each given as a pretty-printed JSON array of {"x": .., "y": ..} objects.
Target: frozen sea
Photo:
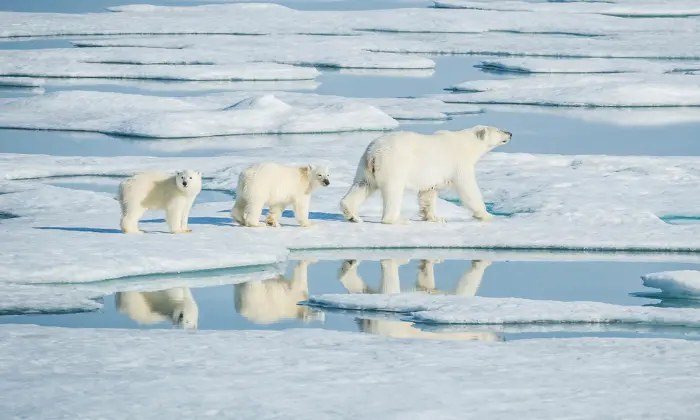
[{"x": 583, "y": 291}]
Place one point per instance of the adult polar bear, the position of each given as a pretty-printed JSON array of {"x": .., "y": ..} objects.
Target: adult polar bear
[{"x": 425, "y": 163}]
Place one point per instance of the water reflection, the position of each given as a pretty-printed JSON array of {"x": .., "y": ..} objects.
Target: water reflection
[
  {"x": 390, "y": 282},
  {"x": 176, "y": 305},
  {"x": 274, "y": 300}
]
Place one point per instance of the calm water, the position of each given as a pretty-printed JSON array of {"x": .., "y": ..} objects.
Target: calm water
[{"x": 272, "y": 303}]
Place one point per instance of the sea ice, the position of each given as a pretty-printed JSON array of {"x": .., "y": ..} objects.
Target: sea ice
[
  {"x": 79, "y": 63},
  {"x": 436, "y": 309},
  {"x": 72, "y": 373},
  {"x": 20, "y": 82},
  {"x": 29, "y": 299},
  {"x": 684, "y": 284},
  {"x": 619, "y": 8},
  {"x": 320, "y": 51},
  {"x": 210, "y": 115},
  {"x": 582, "y": 91},
  {"x": 585, "y": 65}
]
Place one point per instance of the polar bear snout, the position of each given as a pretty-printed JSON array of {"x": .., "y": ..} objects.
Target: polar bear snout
[
  {"x": 326, "y": 182},
  {"x": 509, "y": 136}
]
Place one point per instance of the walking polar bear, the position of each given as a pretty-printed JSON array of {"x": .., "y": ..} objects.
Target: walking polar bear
[
  {"x": 176, "y": 305},
  {"x": 278, "y": 186},
  {"x": 425, "y": 163},
  {"x": 159, "y": 191}
]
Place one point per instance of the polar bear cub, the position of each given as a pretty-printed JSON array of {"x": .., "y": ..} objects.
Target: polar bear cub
[
  {"x": 278, "y": 186},
  {"x": 159, "y": 191},
  {"x": 425, "y": 163},
  {"x": 176, "y": 305}
]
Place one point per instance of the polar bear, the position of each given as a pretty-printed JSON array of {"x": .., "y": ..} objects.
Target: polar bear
[
  {"x": 273, "y": 300},
  {"x": 425, "y": 163},
  {"x": 159, "y": 191},
  {"x": 176, "y": 305},
  {"x": 278, "y": 186}
]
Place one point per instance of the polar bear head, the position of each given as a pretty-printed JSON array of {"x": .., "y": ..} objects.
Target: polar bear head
[
  {"x": 319, "y": 175},
  {"x": 186, "y": 315},
  {"x": 491, "y": 136},
  {"x": 189, "y": 182}
]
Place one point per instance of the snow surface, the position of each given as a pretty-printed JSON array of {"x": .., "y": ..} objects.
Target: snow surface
[
  {"x": 79, "y": 63},
  {"x": 582, "y": 91},
  {"x": 684, "y": 284},
  {"x": 585, "y": 65},
  {"x": 437, "y": 309},
  {"x": 311, "y": 373},
  {"x": 619, "y": 8},
  {"x": 200, "y": 116}
]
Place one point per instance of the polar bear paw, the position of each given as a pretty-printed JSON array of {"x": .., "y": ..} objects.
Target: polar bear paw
[
  {"x": 434, "y": 219},
  {"x": 484, "y": 217},
  {"x": 307, "y": 223},
  {"x": 398, "y": 221}
]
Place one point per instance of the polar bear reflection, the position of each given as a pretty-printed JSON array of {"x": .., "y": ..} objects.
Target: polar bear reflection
[
  {"x": 176, "y": 305},
  {"x": 425, "y": 281},
  {"x": 273, "y": 300}
]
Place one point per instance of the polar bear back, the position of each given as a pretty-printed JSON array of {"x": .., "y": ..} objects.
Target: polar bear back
[
  {"x": 274, "y": 183},
  {"x": 152, "y": 190},
  {"x": 423, "y": 160}
]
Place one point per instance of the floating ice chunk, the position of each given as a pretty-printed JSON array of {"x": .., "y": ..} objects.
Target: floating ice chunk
[
  {"x": 28, "y": 299},
  {"x": 160, "y": 117},
  {"x": 682, "y": 45},
  {"x": 321, "y": 51},
  {"x": 425, "y": 308},
  {"x": 20, "y": 82},
  {"x": 583, "y": 91},
  {"x": 585, "y": 65},
  {"x": 616, "y": 116},
  {"x": 682, "y": 284},
  {"x": 635, "y": 8},
  {"x": 78, "y": 63}
]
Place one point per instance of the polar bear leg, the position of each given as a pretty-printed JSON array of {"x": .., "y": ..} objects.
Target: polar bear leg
[
  {"x": 130, "y": 218},
  {"x": 358, "y": 194},
  {"x": 301, "y": 210},
  {"x": 173, "y": 214},
  {"x": 274, "y": 215},
  {"x": 186, "y": 216},
  {"x": 252, "y": 212},
  {"x": 469, "y": 193},
  {"x": 237, "y": 211},
  {"x": 392, "y": 196},
  {"x": 427, "y": 201},
  {"x": 351, "y": 281}
]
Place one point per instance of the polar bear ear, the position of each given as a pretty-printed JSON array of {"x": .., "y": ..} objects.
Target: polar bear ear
[
  {"x": 480, "y": 133},
  {"x": 310, "y": 167}
]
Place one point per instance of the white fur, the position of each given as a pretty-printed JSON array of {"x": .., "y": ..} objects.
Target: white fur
[
  {"x": 159, "y": 191},
  {"x": 425, "y": 163},
  {"x": 176, "y": 305},
  {"x": 268, "y": 301},
  {"x": 277, "y": 186}
]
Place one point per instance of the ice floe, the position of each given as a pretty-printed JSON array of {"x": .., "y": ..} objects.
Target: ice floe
[
  {"x": 337, "y": 371},
  {"x": 555, "y": 202},
  {"x": 211, "y": 115},
  {"x": 79, "y": 63},
  {"x": 265, "y": 19},
  {"x": 585, "y": 65},
  {"x": 582, "y": 91},
  {"x": 436, "y": 309},
  {"x": 28, "y": 299},
  {"x": 683, "y": 284},
  {"x": 620, "y": 8},
  {"x": 320, "y": 51},
  {"x": 20, "y": 82}
]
